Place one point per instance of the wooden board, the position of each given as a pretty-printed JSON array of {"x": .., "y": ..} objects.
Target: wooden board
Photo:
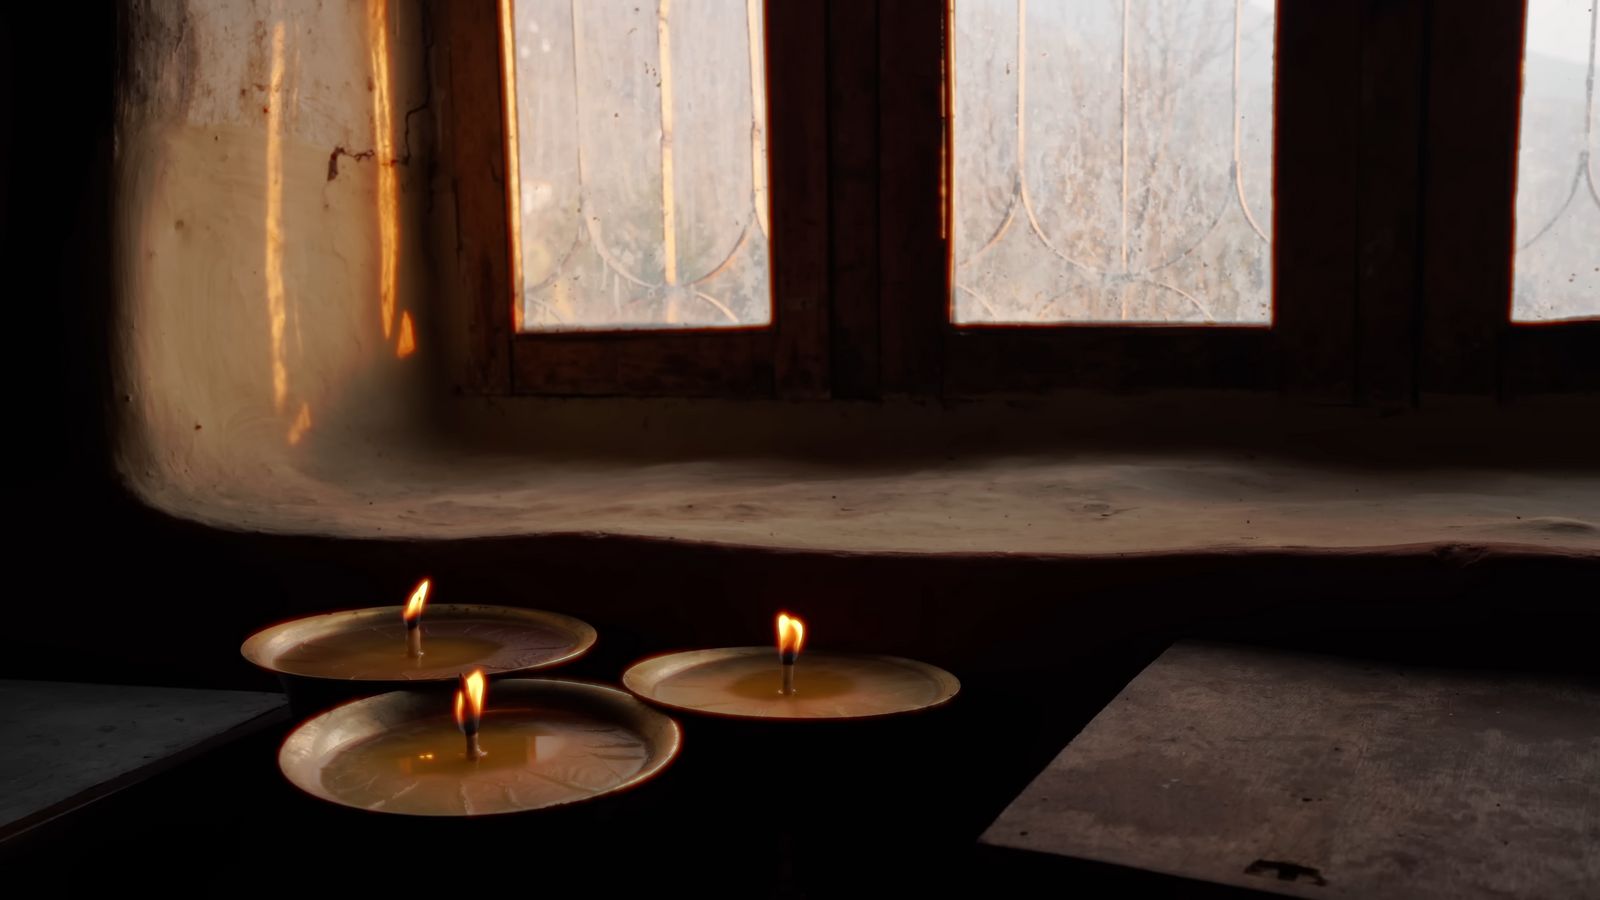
[
  {"x": 1318, "y": 777},
  {"x": 65, "y": 745}
]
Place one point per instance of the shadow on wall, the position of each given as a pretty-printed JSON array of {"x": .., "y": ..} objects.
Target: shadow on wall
[{"x": 263, "y": 254}]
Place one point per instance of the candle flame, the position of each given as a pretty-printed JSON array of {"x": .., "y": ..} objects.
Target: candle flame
[
  {"x": 419, "y": 599},
  {"x": 469, "y": 701},
  {"x": 791, "y": 634}
]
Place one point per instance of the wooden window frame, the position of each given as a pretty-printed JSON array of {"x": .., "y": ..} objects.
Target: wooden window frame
[
  {"x": 1310, "y": 348},
  {"x": 1470, "y": 343},
  {"x": 786, "y": 358},
  {"x": 1385, "y": 284}
]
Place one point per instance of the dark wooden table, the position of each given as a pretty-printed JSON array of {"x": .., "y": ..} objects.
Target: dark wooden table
[{"x": 1322, "y": 777}]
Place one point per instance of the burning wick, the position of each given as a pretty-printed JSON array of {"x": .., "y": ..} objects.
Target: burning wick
[
  {"x": 791, "y": 634},
  {"x": 412, "y": 616},
  {"x": 469, "y": 711}
]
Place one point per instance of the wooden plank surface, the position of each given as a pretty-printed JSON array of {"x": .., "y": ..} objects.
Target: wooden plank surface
[
  {"x": 64, "y": 745},
  {"x": 1318, "y": 777}
]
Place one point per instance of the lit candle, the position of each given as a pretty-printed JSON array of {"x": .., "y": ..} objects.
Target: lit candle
[
  {"x": 791, "y": 634},
  {"x": 740, "y": 683},
  {"x": 469, "y": 711},
  {"x": 412, "y": 616}
]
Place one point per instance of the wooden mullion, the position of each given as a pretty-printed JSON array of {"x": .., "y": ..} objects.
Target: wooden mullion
[
  {"x": 1388, "y": 280},
  {"x": 472, "y": 230},
  {"x": 789, "y": 358},
  {"x": 853, "y": 113},
  {"x": 914, "y": 270},
  {"x": 1317, "y": 114},
  {"x": 1470, "y": 345},
  {"x": 797, "y": 128},
  {"x": 1470, "y": 162},
  {"x": 1310, "y": 348}
]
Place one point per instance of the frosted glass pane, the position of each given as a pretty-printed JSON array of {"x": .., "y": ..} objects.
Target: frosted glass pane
[
  {"x": 1113, "y": 161},
  {"x": 642, "y": 164},
  {"x": 1558, "y": 167}
]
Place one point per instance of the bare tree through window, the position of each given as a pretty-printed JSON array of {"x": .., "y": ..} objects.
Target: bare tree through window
[
  {"x": 1558, "y": 166},
  {"x": 1113, "y": 161},
  {"x": 641, "y": 187}
]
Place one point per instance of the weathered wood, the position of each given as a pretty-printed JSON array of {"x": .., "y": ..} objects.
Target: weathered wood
[
  {"x": 64, "y": 745},
  {"x": 472, "y": 229},
  {"x": 982, "y": 360},
  {"x": 645, "y": 363},
  {"x": 1316, "y": 777}
]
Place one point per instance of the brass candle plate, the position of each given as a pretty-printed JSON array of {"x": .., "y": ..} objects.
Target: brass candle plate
[
  {"x": 745, "y": 682},
  {"x": 370, "y": 644},
  {"x": 548, "y": 743}
]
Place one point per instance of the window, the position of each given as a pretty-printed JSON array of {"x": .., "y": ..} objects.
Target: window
[
  {"x": 1113, "y": 161},
  {"x": 1510, "y": 293},
  {"x": 641, "y": 164},
  {"x": 876, "y": 198},
  {"x": 616, "y": 228},
  {"x": 1125, "y": 172},
  {"x": 1557, "y": 264}
]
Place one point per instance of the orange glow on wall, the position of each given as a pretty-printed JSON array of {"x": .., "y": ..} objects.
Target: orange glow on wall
[
  {"x": 406, "y": 343},
  {"x": 273, "y": 262},
  {"x": 388, "y": 181},
  {"x": 508, "y": 75},
  {"x": 301, "y": 425}
]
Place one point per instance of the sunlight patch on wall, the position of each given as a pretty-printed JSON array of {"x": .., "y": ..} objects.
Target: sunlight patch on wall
[
  {"x": 406, "y": 343},
  {"x": 388, "y": 182},
  {"x": 302, "y": 424},
  {"x": 276, "y": 315}
]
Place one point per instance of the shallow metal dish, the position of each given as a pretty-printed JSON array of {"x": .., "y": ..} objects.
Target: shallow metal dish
[
  {"x": 742, "y": 683},
  {"x": 624, "y": 743},
  {"x": 515, "y": 641}
]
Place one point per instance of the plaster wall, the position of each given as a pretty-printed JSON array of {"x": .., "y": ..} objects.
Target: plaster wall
[
  {"x": 273, "y": 203},
  {"x": 266, "y": 187}
]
